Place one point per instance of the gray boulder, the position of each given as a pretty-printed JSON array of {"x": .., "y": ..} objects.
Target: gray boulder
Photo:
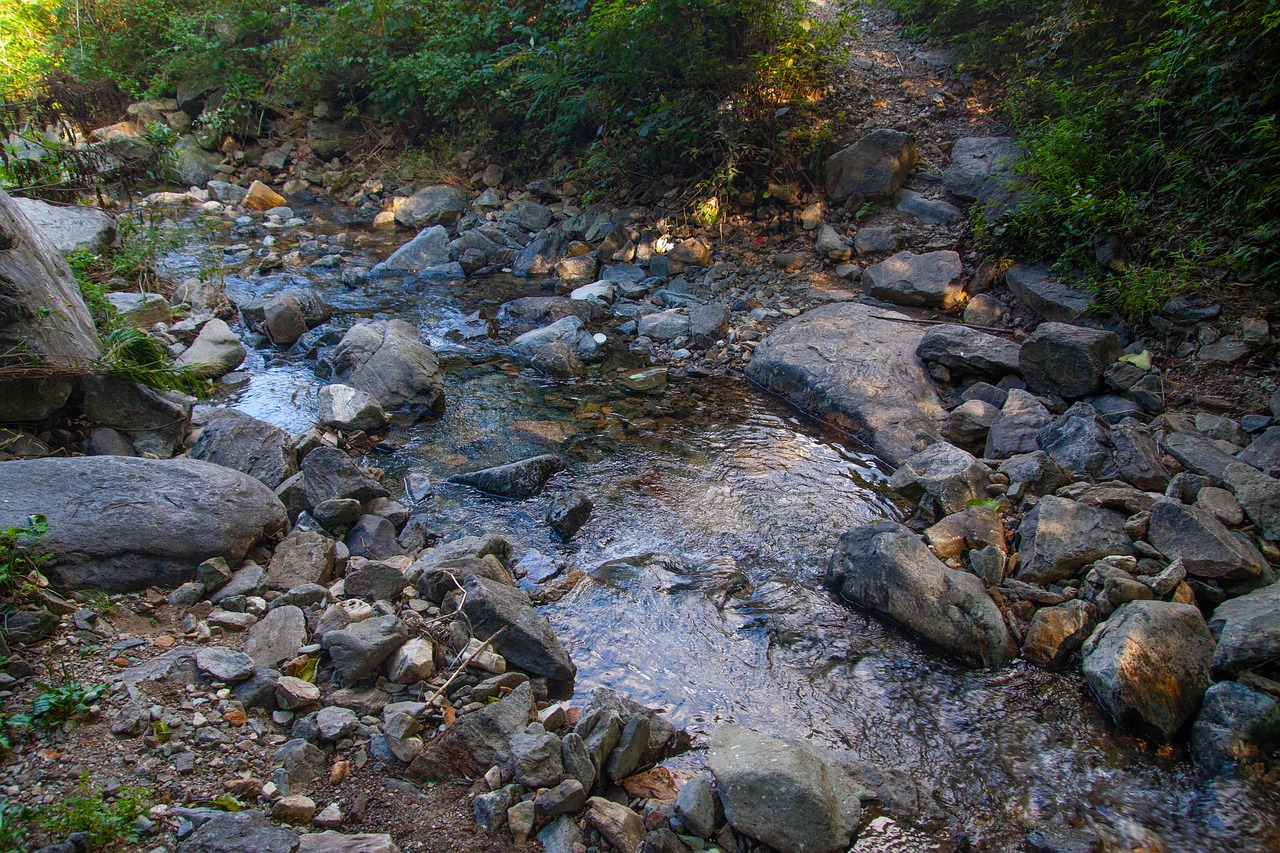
[
  {"x": 928, "y": 210},
  {"x": 567, "y": 330},
  {"x": 290, "y": 314},
  {"x": 329, "y": 474},
  {"x": 216, "y": 351},
  {"x": 374, "y": 581},
  {"x": 969, "y": 351},
  {"x": 931, "y": 280},
  {"x": 1258, "y": 495},
  {"x": 276, "y": 638},
  {"x": 1204, "y": 545},
  {"x": 885, "y": 568},
  {"x": 515, "y": 480},
  {"x": 346, "y": 408},
  {"x": 951, "y": 476},
  {"x": 1068, "y": 360},
  {"x": 1149, "y": 665},
  {"x": 477, "y": 741},
  {"x": 666, "y": 325},
  {"x": 164, "y": 517},
  {"x": 1078, "y": 441},
  {"x": 373, "y": 537},
  {"x": 873, "y": 167},
  {"x": 1015, "y": 429},
  {"x": 154, "y": 421},
  {"x": 787, "y": 793},
  {"x": 1057, "y": 632},
  {"x": 240, "y": 832},
  {"x": 1248, "y": 632},
  {"x": 541, "y": 255},
  {"x": 1238, "y": 728},
  {"x": 435, "y": 205},
  {"x": 1136, "y": 456},
  {"x": 190, "y": 165},
  {"x": 70, "y": 228},
  {"x": 982, "y": 168},
  {"x": 527, "y": 641},
  {"x": 1047, "y": 295},
  {"x": 386, "y": 359},
  {"x": 1033, "y": 473},
  {"x": 848, "y": 365},
  {"x": 235, "y": 440},
  {"x": 337, "y": 842},
  {"x": 430, "y": 248},
  {"x": 1060, "y": 537},
  {"x": 302, "y": 557},
  {"x": 1199, "y": 455},
  {"x": 359, "y": 649}
]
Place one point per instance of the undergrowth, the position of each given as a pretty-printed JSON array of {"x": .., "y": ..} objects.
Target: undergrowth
[
  {"x": 1152, "y": 122},
  {"x": 109, "y": 822}
]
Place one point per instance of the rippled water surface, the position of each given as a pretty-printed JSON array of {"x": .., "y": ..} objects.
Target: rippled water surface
[{"x": 694, "y": 586}]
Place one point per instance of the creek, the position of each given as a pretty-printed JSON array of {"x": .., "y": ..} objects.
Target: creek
[{"x": 695, "y": 586}]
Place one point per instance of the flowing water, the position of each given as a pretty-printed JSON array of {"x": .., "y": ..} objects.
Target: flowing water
[{"x": 695, "y": 584}]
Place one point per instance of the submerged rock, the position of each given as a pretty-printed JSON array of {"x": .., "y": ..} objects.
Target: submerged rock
[{"x": 516, "y": 480}]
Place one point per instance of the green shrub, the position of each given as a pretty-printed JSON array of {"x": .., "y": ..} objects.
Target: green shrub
[
  {"x": 109, "y": 823},
  {"x": 21, "y": 560}
]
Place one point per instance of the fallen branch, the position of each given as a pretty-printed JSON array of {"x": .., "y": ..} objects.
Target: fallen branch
[{"x": 466, "y": 663}]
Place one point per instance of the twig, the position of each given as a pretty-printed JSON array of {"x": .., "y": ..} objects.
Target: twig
[{"x": 466, "y": 663}]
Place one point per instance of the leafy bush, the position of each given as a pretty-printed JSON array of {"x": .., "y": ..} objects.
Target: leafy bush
[
  {"x": 21, "y": 559},
  {"x": 1155, "y": 122},
  {"x": 109, "y": 823}
]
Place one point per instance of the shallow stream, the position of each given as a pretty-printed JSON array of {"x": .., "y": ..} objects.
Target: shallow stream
[{"x": 716, "y": 507}]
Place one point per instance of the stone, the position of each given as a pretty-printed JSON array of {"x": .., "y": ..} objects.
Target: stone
[
  {"x": 1237, "y": 728},
  {"x": 577, "y": 760},
  {"x": 294, "y": 693},
  {"x": 336, "y": 842},
  {"x": 877, "y": 239},
  {"x": 490, "y": 809},
  {"x": 1136, "y": 456},
  {"x": 847, "y": 365},
  {"x": 345, "y": 408},
  {"x": 668, "y": 325},
  {"x": 873, "y": 167},
  {"x": 534, "y": 759},
  {"x": 567, "y": 513},
  {"x": 1060, "y": 537},
  {"x": 434, "y": 205},
  {"x": 249, "y": 579},
  {"x": 1078, "y": 441},
  {"x": 166, "y": 517},
  {"x": 698, "y": 807},
  {"x": 973, "y": 527},
  {"x": 931, "y": 280},
  {"x": 1206, "y": 547},
  {"x": 302, "y": 557},
  {"x": 1047, "y": 295},
  {"x": 567, "y": 330},
  {"x": 1248, "y": 632},
  {"x": 625, "y": 758},
  {"x": 239, "y": 832},
  {"x": 515, "y": 480},
  {"x": 969, "y": 351},
  {"x": 190, "y": 165},
  {"x": 154, "y": 421},
  {"x": 225, "y": 665},
  {"x": 70, "y": 228},
  {"x": 1263, "y": 452},
  {"x": 1199, "y": 455},
  {"x": 561, "y": 835},
  {"x": 290, "y": 314},
  {"x": 412, "y": 662},
  {"x": 1148, "y": 665},
  {"x": 374, "y": 581},
  {"x": 967, "y": 425},
  {"x": 885, "y": 568},
  {"x": 387, "y": 360},
  {"x": 982, "y": 168},
  {"x": 303, "y": 762},
  {"x": 429, "y": 248},
  {"x": 787, "y": 793},
  {"x": 359, "y": 649},
  {"x": 232, "y": 439},
  {"x": 541, "y": 255},
  {"x": 1258, "y": 495},
  {"x": 1057, "y": 632},
  {"x": 477, "y": 741},
  {"x": 927, "y": 210},
  {"x": 951, "y": 476},
  {"x": 262, "y": 198},
  {"x": 528, "y": 641},
  {"x": 336, "y": 723},
  {"x": 1068, "y": 361},
  {"x": 1221, "y": 504},
  {"x": 1015, "y": 429},
  {"x": 831, "y": 245},
  {"x": 692, "y": 252},
  {"x": 620, "y": 826},
  {"x": 215, "y": 352},
  {"x": 141, "y": 310},
  {"x": 227, "y": 193}
]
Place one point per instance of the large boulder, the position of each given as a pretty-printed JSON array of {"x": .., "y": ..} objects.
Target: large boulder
[
  {"x": 359, "y": 649},
  {"x": 527, "y": 640},
  {"x": 982, "y": 168},
  {"x": 1078, "y": 441},
  {"x": 120, "y": 524},
  {"x": 1067, "y": 360},
  {"x": 1238, "y": 727},
  {"x": 435, "y": 205},
  {"x": 887, "y": 569},
  {"x": 1060, "y": 537},
  {"x": 1203, "y": 544},
  {"x": 235, "y": 440},
  {"x": 70, "y": 228},
  {"x": 931, "y": 280},
  {"x": 43, "y": 318},
  {"x": 386, "y": 359},
  {"x": 951, "y": 476},
  {"x": 856, "y": 367},
  {"x": 430, "y": 248},
  {"x": 1259, "y": 496},
  {"x": 541, "y": 255},
  {"x": 968, "y": 351},
  {"x": 787, "y": 793},
  {"x": 875, "y": 166},
  {"x": 1046, "y": 294},
  {"x": 216, "y": 351},
  {"x": 1248, "y": 632},
  {"x": 477, "y": 741},
  {"x": 240, "y": 832},
  {"x": 1015, "y": 429},
  {"x": 1149, "y": 665}
]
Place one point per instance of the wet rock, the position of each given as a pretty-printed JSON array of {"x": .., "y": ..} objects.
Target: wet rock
[
  {"x": 289, "y": 315},
  {"x": 1237, "y": 728},
  {"x": 1047, "y": 295},
  {"x": 1136, "y": 456},
  {"x": 1149, "y": 665},
  {"x": 1057, "y": 632},
  {"x": 240, "y": 832},
  {"x": 843, "y": 363},
  {"x": 387, "y": 360},
  {"x": 329, "y": 474},
  {"x": 1060, "y": 537},
  {"x": 1062, "y": 839},
  {"x": 516, "y": 480},
  {"x": 873, "y": 167},
  {"x": 302, "y": 557},
  {"x": 982, "y": 168},
  {"x": 1078, "y": 441},
  {"x": 429, "y": 248},
  {"x": 969, "y": 351},
  {"x": 232, "y": 439},
  {"x": 951, "y": 476},
  {"x": 225, "y": 665},
  {"x": 216, "y": 351},
  {"x": 359, "y": 649},
  {"x": 1068, "y": 361},
  {"x": 568, "y": 331},
  {"x": 434, "y": 205},
  {"x": 165, "y": 517},
  {"x": 346, "y": 408},
  {"x": 1206, "y": 548},
  {"x": 528, "y": 641},
  {"x": 885, "y": 568},
  {"x": 567, "y": 513},
  {"x": 277, "y": 637},
  {"x": 477, "y": 741},
  {"x": 1015, "y": 429},
  {"x": 931, "y": 280},
  {"x": 786, "y": 793},
  {"x": 620, "y": 826},
  {"x": 1248, "y": 632}
]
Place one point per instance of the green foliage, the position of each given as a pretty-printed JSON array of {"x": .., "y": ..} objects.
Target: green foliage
[
  {"x": 109, "y": 823},
  {"x": 58, "y": 703},
  {"x": 24, "y": 50},
  {"x": 131, "y": 354},
  {"x": 21, "y": 559},
  {"x": 1154, "y": 122}
]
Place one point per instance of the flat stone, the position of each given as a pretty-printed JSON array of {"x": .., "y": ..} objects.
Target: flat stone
[
  {"x": 1248, "y": 632},
  {"x": 1204, "y": 545},
  {"x": 969, "y": 351},
  {"x": 931, "y": 280},
  {"x": 1046, "y": 294}
]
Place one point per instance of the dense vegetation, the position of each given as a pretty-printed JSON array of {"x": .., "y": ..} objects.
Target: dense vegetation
[
  {"x": 698, "y": 87},
  {"x": 1152, "y": 121}
]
